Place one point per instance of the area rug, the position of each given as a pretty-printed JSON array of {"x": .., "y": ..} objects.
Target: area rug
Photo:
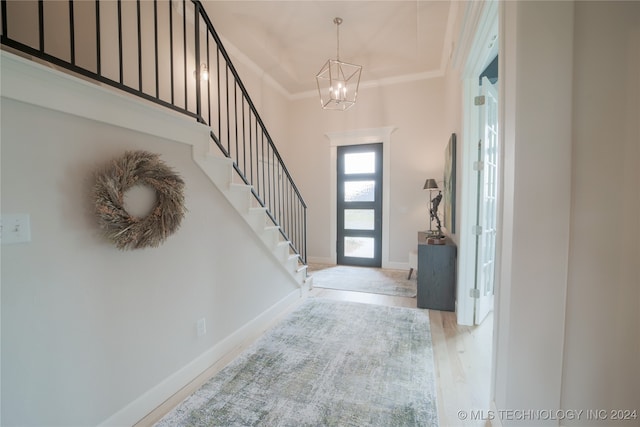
[
  {"x": 328, "y": 363},
  {"x": 363, "y": 279}
]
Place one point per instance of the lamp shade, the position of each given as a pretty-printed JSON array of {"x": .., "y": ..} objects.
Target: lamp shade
[{"x": 430, "y": 184}]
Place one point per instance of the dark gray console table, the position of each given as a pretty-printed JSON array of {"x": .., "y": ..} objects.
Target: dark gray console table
[{"x": 436, "y": 275}]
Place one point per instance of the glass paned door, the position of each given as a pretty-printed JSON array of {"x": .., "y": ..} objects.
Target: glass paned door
[
  {"x": 359, "y": 240},
  {"x": 487, "y": 201}
]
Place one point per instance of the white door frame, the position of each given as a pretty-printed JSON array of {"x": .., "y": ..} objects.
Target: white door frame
[
  {"x": 358, "y": 137},
  {"x": 482, "y": 51}
]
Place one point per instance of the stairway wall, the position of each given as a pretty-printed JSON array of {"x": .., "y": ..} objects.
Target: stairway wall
[{"x": 91, "y": 334}]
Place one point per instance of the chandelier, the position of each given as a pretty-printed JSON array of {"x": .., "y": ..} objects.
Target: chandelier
[{"x": 338, "y": 81}]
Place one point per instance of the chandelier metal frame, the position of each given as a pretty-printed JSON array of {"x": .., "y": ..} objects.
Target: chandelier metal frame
[{"x": 338, "y": 82}]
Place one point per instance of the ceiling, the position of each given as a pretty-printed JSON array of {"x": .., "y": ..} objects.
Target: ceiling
[{"x": 291, "y": 40}]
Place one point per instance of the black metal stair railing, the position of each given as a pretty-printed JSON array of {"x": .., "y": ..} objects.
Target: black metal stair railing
[{"x": 167, "y": 52}]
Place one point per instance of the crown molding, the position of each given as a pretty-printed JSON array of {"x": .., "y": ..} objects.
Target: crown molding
[{"x": 407, "y": 78}]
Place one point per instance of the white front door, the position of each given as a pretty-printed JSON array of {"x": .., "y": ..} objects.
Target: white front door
[{"x": 487, "y": 167}]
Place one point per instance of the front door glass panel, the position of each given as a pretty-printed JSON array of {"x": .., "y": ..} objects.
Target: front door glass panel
[
  {"x": 359, "y": 191},
  {"x": 359, "y": 219},
  {"x": 359, "y": 205},
  {"x": 360, "y": 163},
  {"x": 359, "y": 247}
]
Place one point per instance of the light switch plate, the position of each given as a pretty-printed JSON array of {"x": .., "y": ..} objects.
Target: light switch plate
[{"x": 15, "y": 228}]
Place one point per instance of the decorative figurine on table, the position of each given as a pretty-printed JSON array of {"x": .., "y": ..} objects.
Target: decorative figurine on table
[
  {"x": 434, "y": 237},
  {"x": 437, "y": 238},
  {"x": 434, "y": 214}
]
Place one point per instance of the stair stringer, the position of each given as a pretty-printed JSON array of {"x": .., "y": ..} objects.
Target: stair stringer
[{"x": 220, "y": 171}]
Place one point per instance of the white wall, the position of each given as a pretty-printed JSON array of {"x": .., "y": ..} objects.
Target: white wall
[
  {"x": 269, "y": 99},
  {"x": 602, "y": 340},
  {"x": 537, "y": 190},
  {"x": 87, "y": 330},
  {"x": 568, "y": 329},
  {"x": 417, "y": 110}
]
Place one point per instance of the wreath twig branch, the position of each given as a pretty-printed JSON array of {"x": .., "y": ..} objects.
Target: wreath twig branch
[{"x": 127, "y": 231}]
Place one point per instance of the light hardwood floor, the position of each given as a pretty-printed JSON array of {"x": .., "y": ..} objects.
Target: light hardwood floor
[{"x": 462, "y": 357}]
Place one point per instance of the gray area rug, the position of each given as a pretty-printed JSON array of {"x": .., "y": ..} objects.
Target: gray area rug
[
  {"x": 363, "y": 279},
  {"x": 328, "y": 363}
]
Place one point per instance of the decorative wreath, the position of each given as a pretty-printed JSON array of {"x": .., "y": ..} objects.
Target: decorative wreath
[{"x": 127, "y": 231}]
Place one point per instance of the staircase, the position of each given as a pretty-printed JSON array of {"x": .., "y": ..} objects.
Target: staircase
[
  {"x": 240, "y": 195},
  {"x": 180, "y": 64}
]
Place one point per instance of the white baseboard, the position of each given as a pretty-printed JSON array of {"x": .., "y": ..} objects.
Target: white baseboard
[
  {"x": 396, "y": 265},
  {"x": 147, "y": 402},
  {"x": 320, "y": 260},
  {"x": 390, "y": 264}
]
